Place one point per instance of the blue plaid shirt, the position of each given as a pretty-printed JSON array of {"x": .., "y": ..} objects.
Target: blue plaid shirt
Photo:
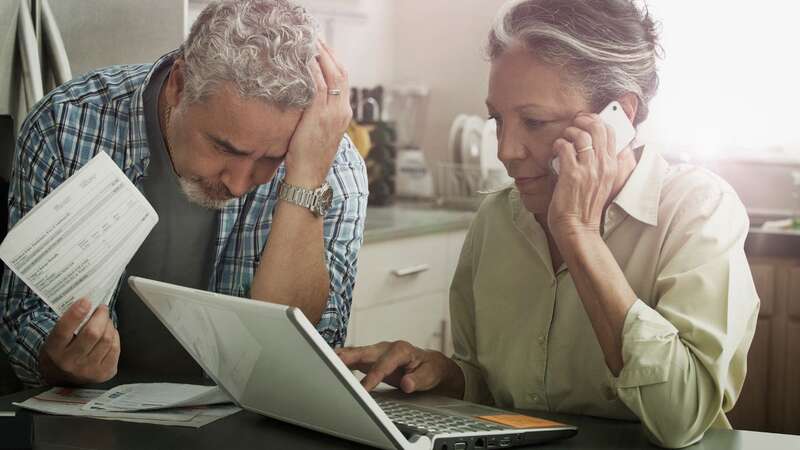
[{"x": 103, "y": 111}]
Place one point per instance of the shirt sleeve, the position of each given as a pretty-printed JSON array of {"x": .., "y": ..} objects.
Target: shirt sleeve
[
  {"x": 26, "y": 319},
  {"x": 344, "y": 235},
  {"x": 685, "y": 358},
  {"x": 462, "y": 314}
]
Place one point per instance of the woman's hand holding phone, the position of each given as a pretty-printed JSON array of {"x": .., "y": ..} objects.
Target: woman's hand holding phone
[
  {"x": 613, "y": 116},
  {"x": 587, "y": 165}
]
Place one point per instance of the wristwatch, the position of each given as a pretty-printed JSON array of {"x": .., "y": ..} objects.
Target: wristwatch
[{"x": 318, "y": 201}]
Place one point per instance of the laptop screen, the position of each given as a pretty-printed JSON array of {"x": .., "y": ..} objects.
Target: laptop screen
[{"x": 262, "y": 355}]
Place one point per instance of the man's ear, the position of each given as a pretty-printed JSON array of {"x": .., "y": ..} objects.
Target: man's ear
[
  {"x": 175, "y": 82},
  {"x": 630, "y": 104}
]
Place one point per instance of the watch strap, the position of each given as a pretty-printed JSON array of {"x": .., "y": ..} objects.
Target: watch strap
[{"x": 303, "y": 197}]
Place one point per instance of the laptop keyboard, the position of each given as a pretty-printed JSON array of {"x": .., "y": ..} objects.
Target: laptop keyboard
[{"x": 423, "y": 421}]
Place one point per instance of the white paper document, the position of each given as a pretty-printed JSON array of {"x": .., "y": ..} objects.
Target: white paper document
[
  {"x": 149, "y": 396},
  {"x": 70, "y": 402},
  {"x": 78, "y": 240}
]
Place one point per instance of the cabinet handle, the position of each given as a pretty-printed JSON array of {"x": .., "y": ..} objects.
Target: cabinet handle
[{"x": 413, "y": 270}]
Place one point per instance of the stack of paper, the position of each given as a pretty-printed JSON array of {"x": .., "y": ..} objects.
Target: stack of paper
[
  {"x": 77, "y": 241},
  {"x": 148, "y": 396},
  {"x": 91, "y": 403}
]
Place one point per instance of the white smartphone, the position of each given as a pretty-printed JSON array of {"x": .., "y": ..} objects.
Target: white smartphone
[{"x": 614, "y": 116}]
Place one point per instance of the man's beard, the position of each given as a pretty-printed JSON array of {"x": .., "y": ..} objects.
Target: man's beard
[{"x": 207, "y": 195}]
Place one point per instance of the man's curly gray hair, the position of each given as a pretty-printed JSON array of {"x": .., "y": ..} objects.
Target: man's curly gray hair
[{"x": 264, "y": 47}]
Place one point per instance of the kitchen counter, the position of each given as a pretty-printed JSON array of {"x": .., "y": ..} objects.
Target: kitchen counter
[
  {"x": 413, "y": 219},
  {"x": 780, "y": 243},
  {"x": 405, "y": 220},
  {"x": 773, "y": 243}
]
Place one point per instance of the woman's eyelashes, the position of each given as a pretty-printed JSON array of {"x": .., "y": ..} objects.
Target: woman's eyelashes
[{"x": 529, "y": 123}]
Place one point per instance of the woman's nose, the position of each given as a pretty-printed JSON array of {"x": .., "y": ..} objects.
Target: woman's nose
[{"x": 509, "y": 147}]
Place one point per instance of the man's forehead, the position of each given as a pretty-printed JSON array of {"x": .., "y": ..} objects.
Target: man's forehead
[
  {"x": 247, "y": 126},
  {"x": 275, "y": 148}
]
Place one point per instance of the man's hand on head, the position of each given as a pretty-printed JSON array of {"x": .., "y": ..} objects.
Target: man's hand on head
[{"x": 322, "y": 126}]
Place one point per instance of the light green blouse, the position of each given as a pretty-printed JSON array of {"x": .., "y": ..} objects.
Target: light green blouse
[{"x": 524, "y": 340}]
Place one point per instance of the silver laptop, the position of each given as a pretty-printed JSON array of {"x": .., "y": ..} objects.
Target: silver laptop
[{"x": 270, "y": 360}]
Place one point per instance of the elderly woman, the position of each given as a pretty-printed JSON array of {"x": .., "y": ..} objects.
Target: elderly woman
[{"x": 618, "y": 288}]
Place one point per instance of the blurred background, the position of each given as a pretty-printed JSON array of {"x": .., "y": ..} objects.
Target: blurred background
[{"x": 728, "y": 101}]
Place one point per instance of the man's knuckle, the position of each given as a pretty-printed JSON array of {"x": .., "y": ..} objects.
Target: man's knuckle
[
  {"x": 94, "y": 333},
  {"x": 67, "y": 366}
]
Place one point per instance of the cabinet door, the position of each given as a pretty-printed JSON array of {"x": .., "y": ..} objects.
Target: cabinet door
[
  {"x": 752, "y": 410},
  {"x": 420, "y": 321},
  {"x": 401, "y": 269},
  {"x": 791, "y": 354}
]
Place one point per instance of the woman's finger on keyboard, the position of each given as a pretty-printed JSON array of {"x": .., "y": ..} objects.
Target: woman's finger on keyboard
[{"x": 392, "y": 364}]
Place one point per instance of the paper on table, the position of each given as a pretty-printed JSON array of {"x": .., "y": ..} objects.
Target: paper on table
[
  {"x": 149, "y": 396},
  {"x": 70, "y": 402},
  {"x": 77, "y": 241}
]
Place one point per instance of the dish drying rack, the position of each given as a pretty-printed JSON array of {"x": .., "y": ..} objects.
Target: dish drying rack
[{"x": 464, "y": 187}]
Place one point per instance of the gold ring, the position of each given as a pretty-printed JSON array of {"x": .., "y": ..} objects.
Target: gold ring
[
  {"x": 335, "y": 92},
  {"x": 584, "y": 149}
]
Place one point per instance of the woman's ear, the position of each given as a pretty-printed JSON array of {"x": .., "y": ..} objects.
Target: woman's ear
[
  {"x": 630, "y": 104},
  {"x": 175, "y": 82}
]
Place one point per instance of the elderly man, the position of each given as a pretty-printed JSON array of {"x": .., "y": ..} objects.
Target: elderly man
[{"x": 237, "y": 139}]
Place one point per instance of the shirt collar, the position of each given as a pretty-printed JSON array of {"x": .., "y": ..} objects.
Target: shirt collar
[
  {"x": 528, "y": 226},
  {"x": 138, "y": 155},
  {"x": 641, "y": 194},
  {"x": 639, "y": 197}
]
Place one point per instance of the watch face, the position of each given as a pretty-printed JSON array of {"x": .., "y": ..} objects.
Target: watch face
[
  {"x": 327, "y": 197},
  {"x": 324, "y": 199}
]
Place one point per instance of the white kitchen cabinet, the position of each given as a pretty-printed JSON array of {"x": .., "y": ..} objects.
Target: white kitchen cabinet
[
  {"x": 402, "y": 289},
  {"x": 401, "y": 268},
  {"x": 420, "y": 321},
  {"x": 770, "y": 397}
]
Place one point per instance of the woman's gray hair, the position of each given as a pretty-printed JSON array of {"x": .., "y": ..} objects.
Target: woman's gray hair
[
  {"x": 264, "y": 47},
  {"x": 609, "y": 47}
]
